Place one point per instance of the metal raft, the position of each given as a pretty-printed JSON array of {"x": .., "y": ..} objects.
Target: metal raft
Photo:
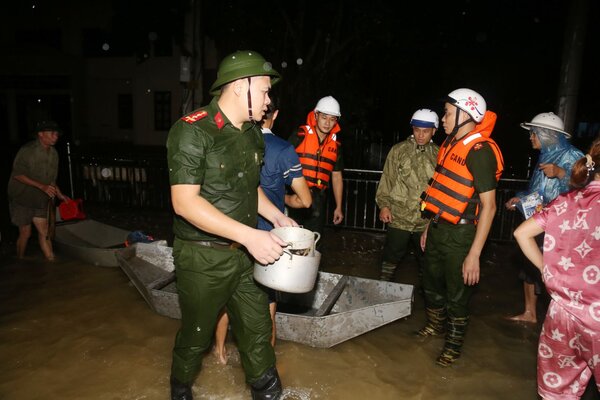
[
  {"x": 90, "y": 241},
  {"x": 150, "y": 268},
  {"x": 339, "y": 308}
]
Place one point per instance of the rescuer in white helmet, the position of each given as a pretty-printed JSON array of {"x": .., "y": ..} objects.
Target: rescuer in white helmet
[
  {"x": 408, "y": 167},
  {"x": 461, "y": 203},
  {"x": 320, "y": 153}
]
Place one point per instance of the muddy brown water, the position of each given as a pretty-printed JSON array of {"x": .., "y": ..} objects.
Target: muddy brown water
[{"x": 69, "y": 330}]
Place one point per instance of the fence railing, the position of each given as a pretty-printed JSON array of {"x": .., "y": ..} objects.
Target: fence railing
[
  {"x": 143, "y": 183},
  {"x": 140, "y": 183},
  {"x": 361, "y": 212}
]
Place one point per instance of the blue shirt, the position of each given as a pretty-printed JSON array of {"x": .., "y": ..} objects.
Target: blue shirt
[{"x": 281, "y": 166}]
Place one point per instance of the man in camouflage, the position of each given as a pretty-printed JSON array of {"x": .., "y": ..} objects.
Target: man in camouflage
[{"x": 408, "y": 167}]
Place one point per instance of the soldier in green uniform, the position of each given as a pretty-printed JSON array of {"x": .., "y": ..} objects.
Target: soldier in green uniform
[
  {"x": 214, "y": 157},
  {"x": 461, "y": 200}
]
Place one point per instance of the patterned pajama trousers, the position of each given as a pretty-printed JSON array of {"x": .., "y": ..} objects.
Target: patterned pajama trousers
[{"x": 568, "y": 355}]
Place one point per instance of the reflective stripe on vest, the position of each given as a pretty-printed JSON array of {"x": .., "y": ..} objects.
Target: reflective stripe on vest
[
  {"x": 317, "y": 160},
  {"x": 451, "y": 188}
]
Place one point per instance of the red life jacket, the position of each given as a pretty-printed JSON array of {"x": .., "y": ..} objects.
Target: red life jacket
[
  {"x": 451, "y": 188},
  {"x": 317, "y": 159}
]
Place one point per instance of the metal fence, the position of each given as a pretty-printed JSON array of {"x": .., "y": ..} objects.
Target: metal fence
[
  {"x": 361, "y": 212},
  {"x": 143, "y": 183}
]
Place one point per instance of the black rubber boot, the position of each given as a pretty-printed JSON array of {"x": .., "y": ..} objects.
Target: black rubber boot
[
  {"x": 436, "y": 322},
  {"x": 267, "y": 387},
  {"x": 180, "y": 391},
  {"x": 454, "y": 341}
]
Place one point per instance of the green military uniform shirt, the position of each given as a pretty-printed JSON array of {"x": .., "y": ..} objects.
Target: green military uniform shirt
[
  {"x": 482, "y": 164},
  {"x": 204, "y": 148},
  {"x": 37, "y": 163}
]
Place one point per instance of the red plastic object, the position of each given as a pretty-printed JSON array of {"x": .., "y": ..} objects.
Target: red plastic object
[{"x": 71, "y": 209}]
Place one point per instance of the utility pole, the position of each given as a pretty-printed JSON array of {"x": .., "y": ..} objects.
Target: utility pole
[
  {"x": 570, "y": 71},
  {"x": 191, "y": 59}
]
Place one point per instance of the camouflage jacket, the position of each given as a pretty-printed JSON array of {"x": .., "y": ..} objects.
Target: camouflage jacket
[{"x": 406, "y": 173}]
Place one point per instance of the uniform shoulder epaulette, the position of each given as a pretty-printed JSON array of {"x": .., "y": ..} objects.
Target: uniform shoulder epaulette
[
  {"x": 481, "y": 145},
  {"x": 194, "y": 117}
]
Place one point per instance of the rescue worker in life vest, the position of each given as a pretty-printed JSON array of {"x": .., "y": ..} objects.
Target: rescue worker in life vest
[
  {"x": 214, "y": 157},
  {"x": 461, "y": 203},
  {"x": 320, "y": 154}
]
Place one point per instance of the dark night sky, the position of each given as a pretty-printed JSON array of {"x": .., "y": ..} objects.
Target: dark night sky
[
  {"x": 382, "y": 60},
  {"x": 383, "y": 63}
]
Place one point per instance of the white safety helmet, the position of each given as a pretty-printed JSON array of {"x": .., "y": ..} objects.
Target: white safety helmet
[
  {"x": 425, "y": 118},
  {"x": 547, "y": 120},
  {"x": 470, "y": 102},
  {"x": 328, "y": 105}
]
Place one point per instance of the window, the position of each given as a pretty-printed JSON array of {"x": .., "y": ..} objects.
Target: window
[
  {"x": 162, "y": 111},
  {"x": 125, "y": 111}
]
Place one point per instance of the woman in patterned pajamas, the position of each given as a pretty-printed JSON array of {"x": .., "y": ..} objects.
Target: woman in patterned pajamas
[{"x": 569, "y": 347}]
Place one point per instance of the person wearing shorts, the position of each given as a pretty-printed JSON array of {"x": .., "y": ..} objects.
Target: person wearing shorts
[{"x": 32, "y": 187}]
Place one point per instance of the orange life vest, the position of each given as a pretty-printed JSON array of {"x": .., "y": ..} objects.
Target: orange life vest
[
  {"x": 451, "y": 188},
  {"x": 317, "y": 159}
]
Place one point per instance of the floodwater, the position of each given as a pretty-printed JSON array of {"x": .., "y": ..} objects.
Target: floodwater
[{"x": 69, "y": 330}]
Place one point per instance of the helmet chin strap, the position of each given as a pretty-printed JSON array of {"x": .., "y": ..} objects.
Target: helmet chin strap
[
  {"x": 457, "y": 126},
  {"x": 250, "y": 101}
]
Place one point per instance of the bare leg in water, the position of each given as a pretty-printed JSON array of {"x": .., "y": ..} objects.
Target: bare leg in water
[
  {"x": 24, "y": 234},
  {"x": 273, "y": 310},
  {"x": 41, "y": 224},
  {"x": 220, "y": 336},
  {"x": 529, "y": 315},
  {"x": 221, "y": 333}
]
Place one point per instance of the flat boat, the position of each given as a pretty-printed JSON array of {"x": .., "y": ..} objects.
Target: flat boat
[
  {"x": 339, "y": 308},
  {"x": 90, "y": 241}
]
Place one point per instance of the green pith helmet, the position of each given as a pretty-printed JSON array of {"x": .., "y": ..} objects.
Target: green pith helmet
[{"x": 242, "y": 64}]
